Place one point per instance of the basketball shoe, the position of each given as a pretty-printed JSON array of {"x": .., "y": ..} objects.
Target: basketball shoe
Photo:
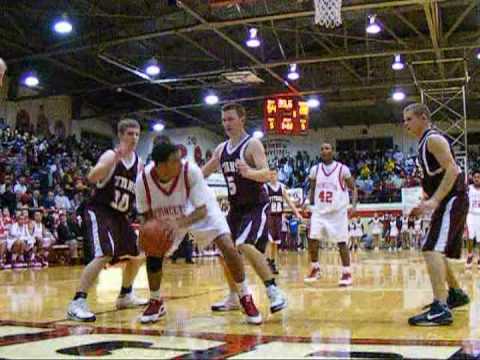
[
  {"x": 437, "y": 315},
  {"x": 78, "y": 311},
  {"x": 313, "y": 276},
  {"x": 456, "y": 298},
  {"x": 154, "y": 311},
  {"x": 249, "y": 308},
  {"x": 129, "y": 301},
  {"x": 229, "y": 303},
  {"x": 346, "y": 279},
  {"x": 278, "y": 301}
]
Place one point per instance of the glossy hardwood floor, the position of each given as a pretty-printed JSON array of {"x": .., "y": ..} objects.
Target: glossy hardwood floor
[{"x": 322, "y": 320}]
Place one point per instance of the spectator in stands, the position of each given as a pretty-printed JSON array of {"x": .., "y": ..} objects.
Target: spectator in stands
[
  {"x": 61, "y": 200},
  {"x": 67, "y": 236},
  {"x": 49, "y": 201},
  {"x": 20, "y": 187}
]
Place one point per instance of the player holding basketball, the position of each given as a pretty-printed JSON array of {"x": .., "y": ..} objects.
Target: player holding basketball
[
  {"x": 3, "y": 70},
  {"x": 329, "y": 199},
  {"x": 244, "y": 165},
  {"x": 445, "y": 196},
  {"x": 473, "y": 218},
  {"x": 277, "y": 193},
  {"x": 177, "y": 194},
  {"x": 107, "y": 226}
]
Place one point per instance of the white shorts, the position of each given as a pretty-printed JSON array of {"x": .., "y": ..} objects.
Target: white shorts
[
  {"x": 10, "y": 242},
  {"x": 204, "y": 231},
  {"x": 394, "y": 232},
  {"x": 332, "y": 226},
  {"x": 473, "y": 225},
  {"x": 356, "y": 233}
]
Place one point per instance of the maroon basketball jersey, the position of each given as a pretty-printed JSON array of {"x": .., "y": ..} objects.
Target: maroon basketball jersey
[
  {"x": 432, "y": 174},
  {"x": 241, "y": 191},
  {"x": 275, "y": 196},
  {"x": 117, "y": 191}
]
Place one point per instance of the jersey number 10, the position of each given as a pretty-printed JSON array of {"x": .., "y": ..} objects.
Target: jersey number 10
[{"x": 121, "y": 201}]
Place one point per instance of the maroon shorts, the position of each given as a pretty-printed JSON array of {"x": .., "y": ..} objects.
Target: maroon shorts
[
  {"x": 109, "y": 232},
  {"x": 275, "y": 228},
  {"x": 249, "y": 225},
  {"x": 446, "y": 227}
]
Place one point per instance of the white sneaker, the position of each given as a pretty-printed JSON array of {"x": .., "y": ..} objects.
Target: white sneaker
[
  {"x": 278, "y": 301},
  {"x": 229, "y": 303},
  {"x": 78, "y": 311},
  {"x": 130, "y": 301}
]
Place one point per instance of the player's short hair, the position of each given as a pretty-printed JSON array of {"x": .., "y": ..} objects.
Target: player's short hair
[
  {"x": 161, "y": 152},
  {"x": 419, "y": 110},
  {"x": 476, "y": 171},
  {"x": 240, "y": 109},
  {"x": 125, "y": 124},
  {"x": 3, "y": 65}
]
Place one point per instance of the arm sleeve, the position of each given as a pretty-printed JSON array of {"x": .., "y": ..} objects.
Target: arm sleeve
[
  {"x": 199, "y": 190},
  {"x": 141, "y": 196}
]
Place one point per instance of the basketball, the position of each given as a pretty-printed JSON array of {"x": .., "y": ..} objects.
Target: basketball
[{"x": 156, "y": 238}]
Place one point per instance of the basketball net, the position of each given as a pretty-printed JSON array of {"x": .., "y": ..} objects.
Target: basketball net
[{"x": 328, "y": 13}]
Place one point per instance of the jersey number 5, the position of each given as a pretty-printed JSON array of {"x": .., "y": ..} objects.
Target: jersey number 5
[
  {"x": 121, "y": 201},
  {"x": 232, "y": 187},
  {"x": 326, "y": 197}
]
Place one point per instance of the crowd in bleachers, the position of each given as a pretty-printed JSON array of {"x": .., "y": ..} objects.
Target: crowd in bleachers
[{"x": 42, "y": 184}]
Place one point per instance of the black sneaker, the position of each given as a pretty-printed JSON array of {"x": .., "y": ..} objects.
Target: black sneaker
[
  {"x": 437, "y": 315},
  {"x": 457, "y": 298}
]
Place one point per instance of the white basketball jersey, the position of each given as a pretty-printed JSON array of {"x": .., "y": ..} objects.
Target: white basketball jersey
[
  {"x": 331, "y": 194},
  {"x": 167, "y": 200},
  {"x": 474, "y": 199},
  {"x": 376, "y": 224},
  {"x": 37, "y": 230}
]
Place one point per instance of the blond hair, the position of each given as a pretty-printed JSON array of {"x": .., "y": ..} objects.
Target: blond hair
[
  {"x": 3, "y": 65},
  {"x": 125, "y": 124},
  {"x": 419, "y": 110}
]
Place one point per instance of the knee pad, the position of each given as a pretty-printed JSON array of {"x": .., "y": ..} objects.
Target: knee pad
[{"x": 154, "y": 264}]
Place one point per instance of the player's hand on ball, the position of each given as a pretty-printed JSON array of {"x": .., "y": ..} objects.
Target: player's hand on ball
[{"x": 157, "y": 237}]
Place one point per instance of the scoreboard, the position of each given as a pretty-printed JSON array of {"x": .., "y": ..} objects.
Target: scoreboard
[{"x": 285, "y": 115}]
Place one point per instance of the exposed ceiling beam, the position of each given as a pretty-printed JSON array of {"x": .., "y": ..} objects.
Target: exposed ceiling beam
[
  {"x": 346, "y": 65},
  {"x": 233, "y": 43},
  {"x": 89, "y": 75},
  {"x": 433, "y": 21},
  {"x": 460, "y": 19},
  {"x": 221, "y": 24},
  {"x": 409, "y": 24}
]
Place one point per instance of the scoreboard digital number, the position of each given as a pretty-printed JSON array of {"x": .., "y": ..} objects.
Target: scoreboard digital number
[{"x": 286, "y": 115}]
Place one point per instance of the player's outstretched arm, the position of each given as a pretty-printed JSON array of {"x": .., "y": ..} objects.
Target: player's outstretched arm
[{"x": 100, "y": 171}]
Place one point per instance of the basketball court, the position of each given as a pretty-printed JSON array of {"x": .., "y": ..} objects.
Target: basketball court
[
  {"x": 322, "y": 320},
  {"x": 347, "y": 68}
]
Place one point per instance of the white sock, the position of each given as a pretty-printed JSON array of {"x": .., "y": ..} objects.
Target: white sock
[
  {"x": 243, "y": 289},
  {"x": 315, "y": 265},
  {"x": 346, "y": 270},
  {"x": 155, "y": 295}
]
